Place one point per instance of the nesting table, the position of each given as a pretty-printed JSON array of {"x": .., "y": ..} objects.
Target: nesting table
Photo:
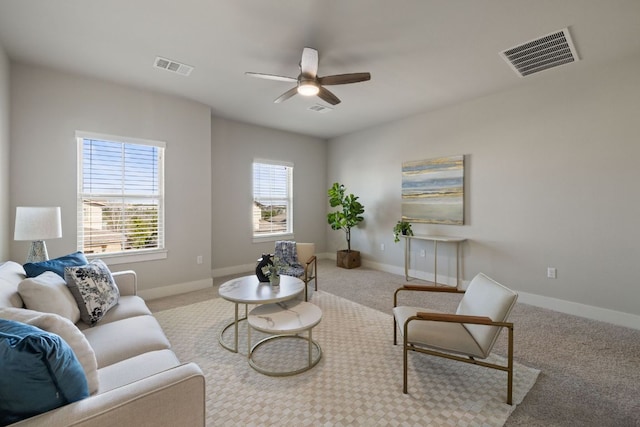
[
  {"x": 285, "y": 320},
  {"x": 278, "y": 314},
  {"x": 249, "y": 290}
]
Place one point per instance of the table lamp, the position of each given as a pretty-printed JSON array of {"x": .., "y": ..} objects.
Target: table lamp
[{"x": 37, "y": 224}]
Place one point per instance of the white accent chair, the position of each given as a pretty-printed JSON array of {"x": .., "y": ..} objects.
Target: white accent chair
[{"x": 467, "y": 335}]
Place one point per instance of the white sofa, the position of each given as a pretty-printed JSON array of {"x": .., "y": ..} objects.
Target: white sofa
[{"x": 138, "y": 380}]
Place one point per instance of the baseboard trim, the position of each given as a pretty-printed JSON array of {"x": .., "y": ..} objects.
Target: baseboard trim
[
  {"x": 563, "y": 306},
  {"x": 180, "y": 288},
  {"x": 236, "y": 269},
  {"x": 581, "y": 310}
]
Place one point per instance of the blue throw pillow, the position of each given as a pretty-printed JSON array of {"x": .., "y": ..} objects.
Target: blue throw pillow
[
  {"x": 57, "y": 265},
  {"x": 38, "y": 372}
]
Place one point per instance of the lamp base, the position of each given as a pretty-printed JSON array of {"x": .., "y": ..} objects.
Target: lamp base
[{"x": 37, "y": 252}]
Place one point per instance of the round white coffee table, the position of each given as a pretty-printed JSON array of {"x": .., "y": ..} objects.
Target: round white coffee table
[
  {"x": 285, "y": 320},
  {"x": 249, "y": 290}
]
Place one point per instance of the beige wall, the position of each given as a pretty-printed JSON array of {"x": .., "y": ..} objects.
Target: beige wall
[
  {"x": 551, "y": 181},
  {"x": 48, "y": 107},
  {"x": 234, "y": 147},
  {"x": 5, "y": 228}
]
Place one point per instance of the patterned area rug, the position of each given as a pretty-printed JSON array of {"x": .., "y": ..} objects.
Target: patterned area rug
[{"x": 358, "y": 381}]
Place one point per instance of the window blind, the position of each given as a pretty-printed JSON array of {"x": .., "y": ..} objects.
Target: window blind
[
  {"x": 120, "y": 195},
  {"x": 272, "y": 198}
]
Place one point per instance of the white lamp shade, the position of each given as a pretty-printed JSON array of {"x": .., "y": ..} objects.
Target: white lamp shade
[{"x": 37, "y": 223}]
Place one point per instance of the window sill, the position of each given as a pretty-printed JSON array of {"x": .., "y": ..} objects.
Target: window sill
[
  {"x": 120, "y": 258},
  {"x": 273, "y": 238}
]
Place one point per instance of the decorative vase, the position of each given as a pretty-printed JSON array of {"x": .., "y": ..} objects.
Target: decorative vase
[
  {"x": 274, "y": 279},
  {"x": 263, "y": 262}
]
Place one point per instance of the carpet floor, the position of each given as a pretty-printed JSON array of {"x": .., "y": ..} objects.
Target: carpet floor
[
  {"x": 590, "y": 370},
  {"x": 358, "y": 381}
]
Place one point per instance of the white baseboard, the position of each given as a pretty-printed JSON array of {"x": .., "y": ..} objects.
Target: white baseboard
[
  {"x": 582, "y": 310},
  {"x": 248, "y": 268},
  {"x": 180, "y": 288},
  {"x": 415, "y": 274},
  {"x": 237, "y": 269}
]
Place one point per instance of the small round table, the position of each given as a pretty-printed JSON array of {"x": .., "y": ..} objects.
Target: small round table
[
  {"x": 285, "y": 320},
  {"x": 249, "y": 290}
]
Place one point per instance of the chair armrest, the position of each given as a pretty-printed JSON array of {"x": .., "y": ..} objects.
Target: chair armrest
[
  {"x": 456, "y": 318},
  {"x": 172, "y": 397},
  {"x": 127, "y": 282},
  {"x": 310, "y": 260},
  {"x": 425, "y": 288},
  {"x": 309, "y": 263}
]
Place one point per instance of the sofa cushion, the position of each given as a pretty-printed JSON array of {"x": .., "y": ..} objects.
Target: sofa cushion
[
  {"x": 49, "y": 293},
  {"x": 67, "y": 331},
  {"x": 116, "y": 341},
  {"x": 11, "y": 274},
  {"x": 136, "y": 368},
  {"x": 43, "y": 366},
  {"x": 57, "y": 265},
  {"x": 94, "y": 289},
  {"x": 128, "y": 306}
]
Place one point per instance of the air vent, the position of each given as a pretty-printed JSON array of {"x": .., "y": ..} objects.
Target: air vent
[
  {"x": 546, "y": 52},
  {"x": 320, "y": 108},
  {"x": 173, "y": 66}
]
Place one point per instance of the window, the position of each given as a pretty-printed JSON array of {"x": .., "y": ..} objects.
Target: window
[
  {"x": 272, "y": 199},
  {"x": 120, "y": 204}
]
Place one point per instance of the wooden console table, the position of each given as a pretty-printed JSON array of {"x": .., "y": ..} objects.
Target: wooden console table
[{"x": 435, "y": 240}]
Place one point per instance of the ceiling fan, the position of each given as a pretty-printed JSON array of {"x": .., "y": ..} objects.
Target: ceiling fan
[{"x": 308, "y": 82}]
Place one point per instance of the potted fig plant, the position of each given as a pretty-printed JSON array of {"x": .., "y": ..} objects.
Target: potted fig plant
[
  {"x": 348, "y": 215},
  {"x": 401, "y": 227}
]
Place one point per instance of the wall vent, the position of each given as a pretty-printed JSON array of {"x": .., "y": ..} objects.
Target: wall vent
[
  {"x": 173, "y": 66},
  {"x": 320, "y": 108},
  {"x": 550, "y": 51}
]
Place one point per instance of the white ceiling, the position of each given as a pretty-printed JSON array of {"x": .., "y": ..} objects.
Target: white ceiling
[{"x": 422, "y": 54}]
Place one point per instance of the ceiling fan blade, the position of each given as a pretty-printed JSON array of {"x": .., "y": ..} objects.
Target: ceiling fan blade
[
  {"x": 288, "y": 94},
  {"x": 309, "y": 62},
  {"x": 341, "y": 79},
  {"x": 327, "y": 96},
  {"x": 272, "y": 77}
]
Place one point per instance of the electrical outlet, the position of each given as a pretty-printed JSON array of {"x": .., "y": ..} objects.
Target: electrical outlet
[
  {"x": 382, "y": 246},
  {"x": 422, "y": 253},
  {"x": 199, "y": 259},
  {"x": 551, "y": 273}
]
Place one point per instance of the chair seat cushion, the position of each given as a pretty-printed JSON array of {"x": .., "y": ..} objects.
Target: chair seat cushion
[{"x": 444, "y": 336}]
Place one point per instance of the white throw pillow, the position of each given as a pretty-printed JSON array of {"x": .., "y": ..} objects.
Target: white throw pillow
[
  {"x": 49, "y": 293},
  {"x": 67, "y": 331},
  {"x": 11, "y": 274}
]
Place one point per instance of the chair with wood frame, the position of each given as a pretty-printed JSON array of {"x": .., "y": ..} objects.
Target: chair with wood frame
[
  {"x": 290, "y": 253},
  {"x": 467, "y": 335}
]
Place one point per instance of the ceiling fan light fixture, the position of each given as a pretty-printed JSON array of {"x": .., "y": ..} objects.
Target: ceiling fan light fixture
[{"x": 308, "y": 88}]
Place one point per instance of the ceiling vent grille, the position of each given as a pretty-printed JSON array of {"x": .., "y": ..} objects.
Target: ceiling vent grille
[
  {"x": 550, "y": 51},
  {"x": 320, "y": 108},
  {"x": 173, "y": 66}
]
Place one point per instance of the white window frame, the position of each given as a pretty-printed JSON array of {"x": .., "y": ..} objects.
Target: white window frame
[
  {"x": 131, "y": 255},
  {"x": 288, "y": 234}
]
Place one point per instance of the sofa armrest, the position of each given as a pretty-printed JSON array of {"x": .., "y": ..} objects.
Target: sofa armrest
[
  {"x": 127, "y": 282},
  {"x": 175, "y": 397}
]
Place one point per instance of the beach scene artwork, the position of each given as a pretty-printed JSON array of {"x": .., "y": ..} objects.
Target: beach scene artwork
[{"x": 433, "y": 190}]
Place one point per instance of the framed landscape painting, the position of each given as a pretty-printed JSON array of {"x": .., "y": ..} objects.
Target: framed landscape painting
[{"x": 433, "y": 191}]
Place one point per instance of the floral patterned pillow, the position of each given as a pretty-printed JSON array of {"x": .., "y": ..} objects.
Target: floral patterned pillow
[{"x": 93, "y": 288}]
